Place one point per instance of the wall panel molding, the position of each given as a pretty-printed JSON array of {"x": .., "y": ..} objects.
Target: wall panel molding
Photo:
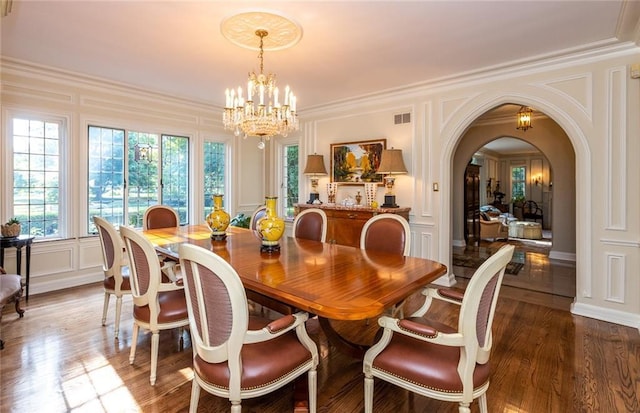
[
  {"x": 616, "y": 141},
  {"x": 577, "y": 88},
  {"x": 616, "y": 270},
  {"x": 40, "y": 93}
]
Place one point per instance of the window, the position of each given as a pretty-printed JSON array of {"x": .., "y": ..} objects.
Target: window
[
  {"x": 518, "y": 182},
  {"x": 290, "y": 170},
  {"x": 214, "y": 167},
  {"x": 175, "y": 174},
  {"x": 36, "y": 175},
  {"x": 153, "y": 171}
]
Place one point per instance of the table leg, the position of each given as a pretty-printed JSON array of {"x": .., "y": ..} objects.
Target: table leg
[
  {"x": 342, "y": 344},
  {"x": 28, "y": 270},
  {"x": 18, "y": 260},
  {"x": 1, "y": 257}
]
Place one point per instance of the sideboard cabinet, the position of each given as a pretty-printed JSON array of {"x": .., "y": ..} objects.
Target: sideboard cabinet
[{"x": 344, "y": 224}]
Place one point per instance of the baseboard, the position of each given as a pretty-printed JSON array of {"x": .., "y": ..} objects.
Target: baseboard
[
  {"x": 459, "y": 243},
  {"x": 563, "y": 256},
  {"x": 40, "y": 287},
  {"x": 606, "y": 314}
]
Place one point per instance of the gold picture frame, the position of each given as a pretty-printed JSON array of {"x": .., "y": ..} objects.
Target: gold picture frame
[{"x": 356, "y": 163}]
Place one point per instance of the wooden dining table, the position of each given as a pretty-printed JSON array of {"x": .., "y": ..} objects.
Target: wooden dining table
[{"x": 331, "y": 281}]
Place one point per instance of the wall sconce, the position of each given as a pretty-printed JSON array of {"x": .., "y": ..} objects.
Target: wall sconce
[
  {"x": 315, "y": 167},
  {"x": 391, "y": 162},
  {"x": 536, "y": 180},
  {"x": 524, "y": 118}
]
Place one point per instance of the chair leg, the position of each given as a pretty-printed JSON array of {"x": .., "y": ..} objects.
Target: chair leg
[
  {"x": 118, "y": 312},
  {"x": 236, "y": 407},
  {"x": 134, "y": 343},
  {"x": 464, "y": 408},
  {"x": 105, "y": 307},
  {"x": 195, "y": 396},
  {"x": 19, "y": 310},
  {"x": 482, "y": 401},
  {"x": 368, "y": 394},
  {"x": 155, "y": 343},
  {"x": 313, "y": 391}
]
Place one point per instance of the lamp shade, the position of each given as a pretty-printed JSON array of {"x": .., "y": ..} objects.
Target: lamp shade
[
  {"x": 315, "y": 165},
  {"x": 391, "y": 162}
]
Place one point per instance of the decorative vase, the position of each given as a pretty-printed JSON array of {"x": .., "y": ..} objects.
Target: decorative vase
[
  {"x": 11, "y": 230},
  {"x": 370, "y": 190},
  {"x": 218, "y": 220},
  {"x": 270, "y": 227}
]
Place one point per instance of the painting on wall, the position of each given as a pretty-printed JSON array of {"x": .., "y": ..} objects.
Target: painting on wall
[{"x": 355, "y": 163}]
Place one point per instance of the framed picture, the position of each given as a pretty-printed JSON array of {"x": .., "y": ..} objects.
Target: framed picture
[{"x": 354, "y": 163}]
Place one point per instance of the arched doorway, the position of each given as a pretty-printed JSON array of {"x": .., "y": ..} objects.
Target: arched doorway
[{"x": 553, "y": 152}]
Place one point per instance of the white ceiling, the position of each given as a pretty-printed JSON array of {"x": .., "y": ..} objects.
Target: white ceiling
[{"x": 348, "y": 48}]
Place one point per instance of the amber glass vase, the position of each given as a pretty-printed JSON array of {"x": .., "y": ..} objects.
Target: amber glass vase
[
  {"x": 270, "y": 227},
  {"x": 218, "y": 220}
]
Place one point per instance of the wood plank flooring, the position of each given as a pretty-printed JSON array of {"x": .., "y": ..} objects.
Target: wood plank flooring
[{"x": 58, "y": 358}]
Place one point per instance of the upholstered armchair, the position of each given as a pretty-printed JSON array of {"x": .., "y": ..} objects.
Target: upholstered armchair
[
  {"x": 156, "y": 305},
  {"x": 115, "y": 268},
  {"x": 439, "y": 361},
  {"x": 235, "y": 355},
  {"x": 493, "y": 229},
  {"x": 10, "y": 290},
  {"x": 311, "y": 224},
  {"x": 388, "y": 233}
]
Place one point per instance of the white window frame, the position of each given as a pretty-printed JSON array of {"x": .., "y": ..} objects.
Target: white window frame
[
  {"x": 64, "y": 169},
  {"x": 280, "y": 152}
]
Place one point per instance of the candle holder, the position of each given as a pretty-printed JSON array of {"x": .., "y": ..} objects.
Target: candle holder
[
  {"x": 370, "y": 191},
  {"x": 332, "y": 190}
]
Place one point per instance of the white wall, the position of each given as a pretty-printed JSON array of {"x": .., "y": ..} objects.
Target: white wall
[
  {"x": 590, "y": 98},
  {"x": 83, "y": 101}
]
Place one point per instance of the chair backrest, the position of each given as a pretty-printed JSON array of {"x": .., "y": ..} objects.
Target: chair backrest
[
  {"x": 479, "y": 304},
  {"x": 531, "y": 207},
  {"x": 260, "y": 212},
  {"x": 388, "y": 233},
  {"x": 113, "y": 257},
  {"x": 311, "y": 224},
  {"x": 144, "y": 268},
  {"x": 217, "y": 304},
  {"x": 160, "y": 216}
]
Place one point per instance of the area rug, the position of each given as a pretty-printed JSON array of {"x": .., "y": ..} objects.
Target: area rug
[{"x": 513, "y": 267}]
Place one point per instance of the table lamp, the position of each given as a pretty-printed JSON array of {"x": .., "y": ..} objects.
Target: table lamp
[
  {"x": 315, "y": 167},
  {"x": 391, "y": 162}
]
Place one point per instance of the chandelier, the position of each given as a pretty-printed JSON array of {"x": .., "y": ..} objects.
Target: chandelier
[
  {"x": 261, "y": 113},
  {"x": 524, "y": 118}
]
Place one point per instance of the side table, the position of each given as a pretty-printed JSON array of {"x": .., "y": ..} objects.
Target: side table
[{"x": 18, "y": 243}]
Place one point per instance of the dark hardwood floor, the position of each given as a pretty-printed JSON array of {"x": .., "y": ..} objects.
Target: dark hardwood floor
[{"x": 58, "y": 358}]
